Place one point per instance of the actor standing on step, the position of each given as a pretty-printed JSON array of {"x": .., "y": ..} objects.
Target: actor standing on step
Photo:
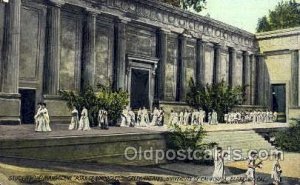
[
  {"x": 74, "y": 120},
  {"x": 84, "y": 123},
  {"x": 155, "y": 115},
  {"x": 252, "y": 165},
  {"x": 37, "y": 116},
  {"x": 102, "y": 119},
  {"x": 276, "y": 170},
  {"x": 219, "y": 173}
]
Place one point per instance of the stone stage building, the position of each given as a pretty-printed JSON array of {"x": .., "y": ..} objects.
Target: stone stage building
[{"x": 146, "y": 47}]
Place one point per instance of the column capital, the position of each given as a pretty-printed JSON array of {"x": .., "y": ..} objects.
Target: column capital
[
  {"x": 164, "y": 30},
  {"x": 57, "y": 3},
  {"x": 123, "y": 20},
  {"x": 92, "y": 11}
]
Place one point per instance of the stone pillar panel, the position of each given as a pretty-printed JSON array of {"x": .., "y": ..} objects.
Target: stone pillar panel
[
  {"x": 54, "y": 42},
  {"x": 209, "y": 63},
  {"x": 238, "y": 70},
  {"x": 71, "y": 26},
  {"x": 224, "y": 65},
  {"x": 190, "y": 61},
  {"x": 104, "y": 51},
  {"x": 171, "y": 68}
]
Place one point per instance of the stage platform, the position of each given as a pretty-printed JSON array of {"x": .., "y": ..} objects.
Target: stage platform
[{"x": 108, "y": 146}]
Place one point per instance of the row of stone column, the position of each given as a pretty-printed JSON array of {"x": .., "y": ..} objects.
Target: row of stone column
[{"x": 249, "y": 63}]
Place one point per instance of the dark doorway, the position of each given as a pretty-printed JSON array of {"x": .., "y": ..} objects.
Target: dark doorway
[
  {"x": 279, "y": 101},
  {"x": 27, "y": 105},
  {"x": 139, "y": 93}
]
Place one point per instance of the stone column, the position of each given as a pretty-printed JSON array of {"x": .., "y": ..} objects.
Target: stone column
[
  {"x": 54, "y": 48},
  {"x": 181, "y": 69},
  {"x": 162, "y": 55},
  {"x": 200, "y": 70},
  {"x": 247, "y": 76},
  {"x": 295, "y": 79},
  {"x": 217, "y": 64},
  {"x": 89, "y": 56},
  {"x": 232, "y": 66},
  {"x": 10, "y": 77},
  {"x": 253, "y": 80},
  {"x": 120, "y": 55},
  {"x": 260, "y": 80},
  {"x": 9, "y": 95}
]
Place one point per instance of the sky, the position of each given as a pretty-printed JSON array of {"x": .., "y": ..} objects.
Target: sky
[{"x": 240, "y": 13}]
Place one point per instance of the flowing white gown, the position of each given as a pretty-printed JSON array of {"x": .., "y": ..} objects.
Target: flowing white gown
[
  {"x": 84, "y": 123},
  {"x": 74, "y": 120}
]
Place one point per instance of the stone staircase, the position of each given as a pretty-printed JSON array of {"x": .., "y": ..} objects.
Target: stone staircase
[{"x": 240, "y": 141}]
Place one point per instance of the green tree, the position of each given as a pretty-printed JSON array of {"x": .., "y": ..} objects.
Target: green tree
[
  {"x": 219, "y": 97},
  {"x": 285, "y": 15},
  {"x": 103, "y": 97},
  {"x": 197, "y": 5}
]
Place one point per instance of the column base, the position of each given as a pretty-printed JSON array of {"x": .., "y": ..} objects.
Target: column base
[{"x": 10, "y": 106}]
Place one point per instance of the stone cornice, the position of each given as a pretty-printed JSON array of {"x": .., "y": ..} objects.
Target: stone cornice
[
  {"x": 278, "y": 33},
  {"x": 172, "y": 18}
]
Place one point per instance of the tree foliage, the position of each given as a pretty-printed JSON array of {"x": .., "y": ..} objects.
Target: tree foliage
[
  {"x": 219, "y": 97},
  {"x": 186, "y": 138},
  {"x": 101, "y": 98},
  {"x": 289, "y": 139},
  {"x": 285, "y": 15},
  {"x": 197, "y": 5}
]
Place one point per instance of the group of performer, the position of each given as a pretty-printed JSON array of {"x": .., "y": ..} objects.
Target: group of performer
[
  {"x": 252, "y": 164},
  {"x": 250, "y": 116},
  {"x": 83, "y": 123},
  {"x": 42, "y": 120},
  {"x": 142, "y": 118},
  {"x": 192, "y": 117}
]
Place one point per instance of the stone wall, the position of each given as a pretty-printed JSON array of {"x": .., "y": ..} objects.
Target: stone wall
[
  {"x": 281, "y": 50},
  {"x": 69, "y": 44}
]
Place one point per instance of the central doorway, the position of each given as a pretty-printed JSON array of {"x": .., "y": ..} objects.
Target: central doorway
[
  {"x": 27, "y": 105},
  {"x": 139, "y": 92},
  {"x": 279, "y": 101}
]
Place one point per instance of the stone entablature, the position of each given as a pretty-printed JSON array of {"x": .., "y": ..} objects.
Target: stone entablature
[{"x": 171, "y": 18}]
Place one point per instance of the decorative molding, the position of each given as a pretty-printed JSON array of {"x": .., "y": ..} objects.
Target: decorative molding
[{"x": 163, "y": 15}]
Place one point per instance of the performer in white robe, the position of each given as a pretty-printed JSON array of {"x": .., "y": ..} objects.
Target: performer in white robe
[
  {"x": 195, "y": 115},
  {"x": 132, "y": 118},
  {"x": 160, "y": 119},
  {"x": 181, "y": 118},
  {"x": 103, "y": 119},
  {"x": 214, "y": 117},
  {"x": 201, "y": 117},
  {"x": 47, "y": 118},
  {"x": 84, "y": 123},
  {"x": 276, "y": 170},
  {"x": 252, "y": 165},
  {"x": 124, "y": 116},
  {"x": 186, "y": 117},
  {"x": 155, "y": 115},
  {"x": 37, "y": 117},
  {"x": 219, "y": 173},
  {"x": 144, "y": 118},
  {"x": 139, "y": 116},
  {"x": 74, "y": 120}
]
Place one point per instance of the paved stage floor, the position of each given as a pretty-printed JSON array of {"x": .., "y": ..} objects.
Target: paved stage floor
[{"x": 26, "y": 131}]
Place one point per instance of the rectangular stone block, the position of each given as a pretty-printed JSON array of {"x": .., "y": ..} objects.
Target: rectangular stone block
[
  {"x": 58, "y": 110},
  {"x": 10, "y": 106}
]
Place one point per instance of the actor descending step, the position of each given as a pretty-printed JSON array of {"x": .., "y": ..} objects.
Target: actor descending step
[
  {"x": 84, "y": 123},
  {"x": 74, "y": 120}
]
